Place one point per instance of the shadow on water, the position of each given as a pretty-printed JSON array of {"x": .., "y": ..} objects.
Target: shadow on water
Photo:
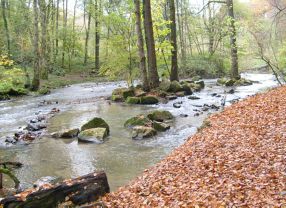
[{"x": 120, "y": 156}]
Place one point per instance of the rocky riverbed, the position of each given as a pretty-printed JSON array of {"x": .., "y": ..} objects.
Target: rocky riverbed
[{"x": 121, "y": 157}]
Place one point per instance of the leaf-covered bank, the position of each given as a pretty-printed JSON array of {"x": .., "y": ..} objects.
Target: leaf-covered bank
[{"x": 238, "y": 160}]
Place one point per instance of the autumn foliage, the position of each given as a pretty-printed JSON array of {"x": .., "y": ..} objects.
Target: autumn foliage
[{"x": 238, "y": 160}]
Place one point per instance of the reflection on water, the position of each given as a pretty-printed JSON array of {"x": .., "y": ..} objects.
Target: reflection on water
[{"x": 121, "y": 157}]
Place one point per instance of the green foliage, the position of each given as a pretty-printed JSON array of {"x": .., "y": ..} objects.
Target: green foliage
[{"x": 206, "y": 66}]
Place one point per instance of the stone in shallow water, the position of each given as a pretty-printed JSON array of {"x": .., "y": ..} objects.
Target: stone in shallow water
[
  {"x": 161, "y": 127},
  {"x": 95, "y": 123},
  {"x": 70, "y": 133},
  {"x": 96, "y": 135},
  {"x": 143, "y": 132}
]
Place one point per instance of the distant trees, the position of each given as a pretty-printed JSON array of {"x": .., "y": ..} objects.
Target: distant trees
[
  {"x": 36, "y": 78},
  {"x": 7, "y": 33}
]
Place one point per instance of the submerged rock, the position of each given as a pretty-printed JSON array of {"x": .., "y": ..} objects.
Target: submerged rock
[
  {"x": 193, "y": 98},
  {"x": 160, "y": 116},
  {"x": 142, "y": 132},
  {"x": 96, "y": 123},
  {"x": 95, "y": 135}
]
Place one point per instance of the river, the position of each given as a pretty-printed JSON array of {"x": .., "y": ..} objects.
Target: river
[{"x": 121, "y": 157}]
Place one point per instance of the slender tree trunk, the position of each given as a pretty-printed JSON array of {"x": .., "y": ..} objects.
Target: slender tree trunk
[
  {"x": 233, "y": 45},
  {"x": 3, "y": 6},
  {"x": 57, "y": 31},
  {"x": 65, "y": 18},
  {"x": 150, "y": 43},
  {"x": 36, "y": 78},
  {"x": 97, "y": 8},
  {"x": 140, "y": 44},
  {"x": 211, "y": 31},
  {"x": 174, "y": 68},
  {"x": 43, "y": 51},
  {"x": 87, "y": 35}
]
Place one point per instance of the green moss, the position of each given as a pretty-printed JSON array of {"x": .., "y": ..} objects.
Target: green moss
[
  {"x": 44, "y": 91},
  {"x": 149, "y": 100},
  {"x": 133, "y": 100},
  {"x": 187, "y": 89},
  {"x": 122, "y": 93},
  {"x": 96, "y": 123},
  {"x": 175, "y": 87},
  {"x": 160, "y": 116},
  {"x": 139, "y": 120},
  {"x": 161, "y": 127}
]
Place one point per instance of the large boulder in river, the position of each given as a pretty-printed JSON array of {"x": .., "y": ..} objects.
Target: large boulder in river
[
  {"x": 139, "y": 120},
  {"x": 161, "y": 127},
  {"x": 187, "y": 89},
  {"x": 142, "y": 132},
  {"x": 96, "y": 123},
  {"x": 68, "y": 134},
  {"x": 149, "y": 100},
  {"x": 133, "y": 100},
  {"x": 95, "y": 135},
  {"x": 160, "y": 116},
  {"x": 122, "y": 94},
  {"x": 175, "y": 87}
]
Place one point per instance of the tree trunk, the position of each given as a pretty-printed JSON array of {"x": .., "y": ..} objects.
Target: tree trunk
[
  {"x": 97, "y": 8},
  {"x": 57, "y": 31},
  {"x": 43, "y": 51},
  {"x": 87, "y": 33},
  {"x": 36, "y": 78},
  {"x": 150, "y": 43},
  {"x": 174, "y": 68},
  {"x": 140, "y": 44},
  {"x": 233, "y": 46},
  {"x": 65, "y": 19},
  {"x": 79, "y": 191},
  {"x": 3, "y": 5}
]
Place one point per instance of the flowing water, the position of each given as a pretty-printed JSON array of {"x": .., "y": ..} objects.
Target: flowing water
[{"x": 121, "y": 157}]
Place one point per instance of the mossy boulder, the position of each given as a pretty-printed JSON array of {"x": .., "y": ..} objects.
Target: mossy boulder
[
  {"x": 143, "y": 132},
  {"x": 243, "y": 82},
  {"x": 96, "y": 123},
  {"x": 133, "y": 100},
  {"x": 139, "y": 92},
  {"x": 122, "y": 94},
  {"x": 187, "y": 89},
  {"x": 160, "y": 116},
  {"x": 201, "y": 83},
  {"x": 149, "y": 100},
  {"x": 165, "y": 86},
  {"x": 226, "y": 82},
  {"x": 70, "y": 133},
  {"x": 95, "y": 135},
  {"x": 139, "y": 120},
  {"x": 44, "y": 91},
  {"x": 180, "y": 94},
  {"x": 175, "y": 87},
  {"x": 161, "y": 127},
  {"x": 195, "y": 87}
]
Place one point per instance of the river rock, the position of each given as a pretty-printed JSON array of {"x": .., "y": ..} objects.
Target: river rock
[
  {"x": 171, "y": 97},
  {"x": 95, "y": 135},
  {"x": 175, "y": 87},
  {"x": 71, "y": 133},
  {"x": 193, "y": 98},
  {"x": 180, "y": 94},
  {"x": 149, "y": 100},
  {"x": 201, "y": 83},
  {"x": 160, "y": 116},
  {"x": 133, "y": 100},
  {"x": 142, "y": 132},
  {"x": 177, "y": 105},
  {"x": 96, "y": 123},
  {"x": 139, "y": 92},
  {"x": 165, "y": 86},
  {"x": 161, "y": 127},
  {"x": 187, "y": 89},
  {"x": 139, "y": 120},
  {"x": 36, "y": 126},
  {"x": 121, "y": 94}
]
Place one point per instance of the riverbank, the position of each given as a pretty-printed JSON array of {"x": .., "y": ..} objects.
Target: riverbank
[{"x": 238, "y": 159}]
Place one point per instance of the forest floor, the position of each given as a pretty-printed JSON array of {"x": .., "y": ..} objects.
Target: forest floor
[{"x": 237, "y": 159}]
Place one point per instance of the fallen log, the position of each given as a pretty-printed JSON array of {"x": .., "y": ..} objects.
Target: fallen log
[{"x": 79, "y": 191}]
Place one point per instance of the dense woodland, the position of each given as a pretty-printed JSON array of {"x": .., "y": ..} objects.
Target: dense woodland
[{"x": 150, "y": 40}]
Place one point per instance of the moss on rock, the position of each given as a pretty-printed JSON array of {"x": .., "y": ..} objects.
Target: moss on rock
[
  {"x": 161, "y": 127},
  {"x": 96, "y": 135},
  {"x": 160, "y": 116},
  {"x": 139, "y": 120},
  {"x": 96, "y": 123},
  {"x": 149, "y": 100},
  {"x": 133, "y": 100}
]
